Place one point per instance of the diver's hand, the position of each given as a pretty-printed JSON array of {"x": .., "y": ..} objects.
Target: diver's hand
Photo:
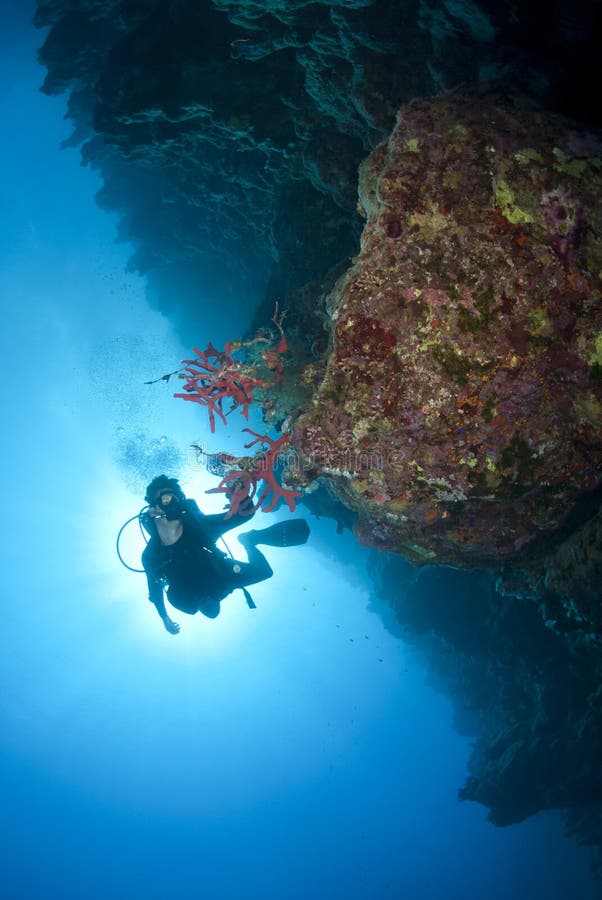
[
  {"x": 170, "y": 625},
  {"x": 246, "y": 507}
]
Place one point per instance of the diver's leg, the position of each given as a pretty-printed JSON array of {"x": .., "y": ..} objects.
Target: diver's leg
[
  {"x": 261, "y": 569},
  {"x": 210, "y": 607},
  {"x": 256, "y": 570},
  {"x": 182, "y": 601},
  {"x": 287, "y": 533}
]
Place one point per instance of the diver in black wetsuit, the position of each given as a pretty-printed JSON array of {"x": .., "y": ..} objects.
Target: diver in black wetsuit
[{"x": 181, "y": 552}]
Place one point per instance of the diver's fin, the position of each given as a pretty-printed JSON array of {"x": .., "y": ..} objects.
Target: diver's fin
[{"x": 289, "y": 533}]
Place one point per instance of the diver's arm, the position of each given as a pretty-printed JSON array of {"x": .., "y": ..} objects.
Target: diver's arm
[
  {"x": 170, "y": 625},
  {"x": 155, "y": 585},
  {"x": 212, "y": 526},
  {"x": 155, "y": 595}
]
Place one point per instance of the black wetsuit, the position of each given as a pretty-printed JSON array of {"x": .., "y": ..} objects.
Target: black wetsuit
[{"x": 199, "y": 575}]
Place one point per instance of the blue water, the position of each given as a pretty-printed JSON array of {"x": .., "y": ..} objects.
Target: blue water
[{"x": 292, "y": 751}]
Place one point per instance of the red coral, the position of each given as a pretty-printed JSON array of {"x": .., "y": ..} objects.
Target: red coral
[
  {"x": 222, "y": 383},
  {"x": 241, "y": 485},
  {"x": 216, "y": 378}
]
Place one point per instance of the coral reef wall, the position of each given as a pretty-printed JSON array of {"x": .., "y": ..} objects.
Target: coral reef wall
[
  {"x": 461, "y": 409},
  {"x": 228, "y": 134}
]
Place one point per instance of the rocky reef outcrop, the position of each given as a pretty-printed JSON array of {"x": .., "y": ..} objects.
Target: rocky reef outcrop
[
  {"x": 228, "y": 132},
  {"x": 461, "y": 410}
]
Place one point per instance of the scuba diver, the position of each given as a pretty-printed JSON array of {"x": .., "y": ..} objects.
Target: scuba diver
[{"x": 182, "y": 554}]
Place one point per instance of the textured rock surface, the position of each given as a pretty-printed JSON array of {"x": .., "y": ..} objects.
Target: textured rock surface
[{"x": 461, "y": 412}]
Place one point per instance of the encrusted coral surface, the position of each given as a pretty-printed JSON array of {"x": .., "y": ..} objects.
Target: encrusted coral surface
[
  {"x": 228, "y": 133},
  {"x": 460, "y": 413}
]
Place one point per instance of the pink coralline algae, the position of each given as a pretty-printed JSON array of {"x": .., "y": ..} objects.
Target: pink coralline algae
[{"x": 460, "y": 413}]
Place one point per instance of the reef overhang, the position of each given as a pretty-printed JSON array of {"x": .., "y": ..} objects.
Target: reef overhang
[{"x": 460, "y": 413}]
